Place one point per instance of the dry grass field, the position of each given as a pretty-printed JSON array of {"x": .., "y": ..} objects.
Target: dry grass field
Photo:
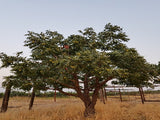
[{"x": 72, "y": 109}]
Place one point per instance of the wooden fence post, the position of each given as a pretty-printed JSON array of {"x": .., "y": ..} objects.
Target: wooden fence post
[
  {"x": 120, "y": 95},
  {"x": 55, "y": 95},
  {"x": 105, "y": 94},
  {"x": 101, "y": 95}
]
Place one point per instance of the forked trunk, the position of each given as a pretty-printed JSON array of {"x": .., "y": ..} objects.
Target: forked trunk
[
  {"x": 90, "y": 105},
  {"x": 89, "y": 110},
  {"x": 32, "y": 99},
  {"x": 6, "y": 99}
]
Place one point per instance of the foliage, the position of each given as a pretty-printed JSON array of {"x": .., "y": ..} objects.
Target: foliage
[
  {"x": 138, "y": 71},
  {"x": 82, "y": 62},
  {"x": 26, "y": 73}
]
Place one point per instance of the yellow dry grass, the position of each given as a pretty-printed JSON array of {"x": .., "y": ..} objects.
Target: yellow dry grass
[{"x": 72, "y": 109}]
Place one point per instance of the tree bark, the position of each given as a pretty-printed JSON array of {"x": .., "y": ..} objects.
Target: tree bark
[
  {"x": 55, "y": 95},
  {"x": 90, "y": 103},
  {"x": 89, "y": 110},
  {"x": 141, "y": 95},
  {"x": 6, "y": 99},
  {"x": 89, "y": 106},
  {"x": 32, "y": 99}
]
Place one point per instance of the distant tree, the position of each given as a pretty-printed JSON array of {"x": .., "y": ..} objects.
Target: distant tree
[
  {"x": 156, "y": 70},
  {"x": 7, "y": 61},
  {"x": 27, "y": 74},
  {"x": 139, "y": 72},
  {"x": 33, "y": 76}
]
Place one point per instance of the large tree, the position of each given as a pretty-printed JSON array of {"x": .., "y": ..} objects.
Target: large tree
[{"x": 80, "y": 62}]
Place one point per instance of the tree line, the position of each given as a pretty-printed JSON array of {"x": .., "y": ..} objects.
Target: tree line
[{"x": 83, "y": 62}]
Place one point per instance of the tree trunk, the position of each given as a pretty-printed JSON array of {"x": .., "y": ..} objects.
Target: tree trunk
[
  {"x": 143, "y": 94},
  {"x": 89, "y": 110},
  {"x": 90, "y": 104},
  {"x": 32, "y": 99},
  {"x": 142, "y": 99},
  {"x": 6, "y": 99}
]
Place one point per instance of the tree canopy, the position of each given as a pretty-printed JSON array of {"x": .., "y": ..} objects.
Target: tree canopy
[{"x": 83, "y": 62}]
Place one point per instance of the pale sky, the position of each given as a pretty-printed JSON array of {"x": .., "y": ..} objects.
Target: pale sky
[{"x": 140, "y": 19}]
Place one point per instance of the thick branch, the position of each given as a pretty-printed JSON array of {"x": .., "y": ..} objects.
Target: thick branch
[
  {"x": 95, "y": 93},
  {"x": 86, "y": 88},
  {"x": 66, "y": 85},
  {"x": 77, "y": 87}
]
